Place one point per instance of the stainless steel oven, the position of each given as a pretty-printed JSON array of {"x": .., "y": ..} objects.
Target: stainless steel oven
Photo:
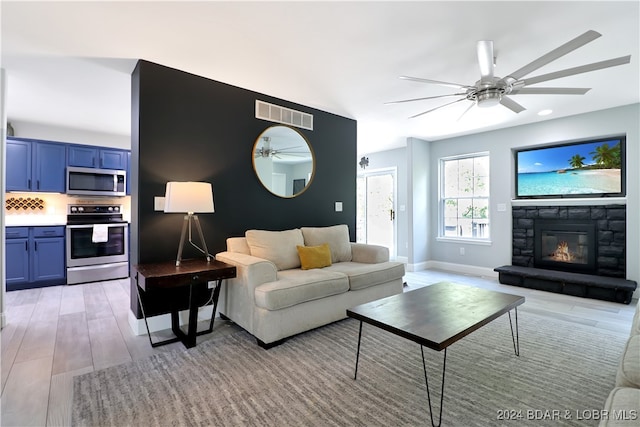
[{"x": 97, "y": 243}]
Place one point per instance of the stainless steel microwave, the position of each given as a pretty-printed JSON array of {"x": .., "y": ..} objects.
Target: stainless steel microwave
[{"x": 96, "y": 182}]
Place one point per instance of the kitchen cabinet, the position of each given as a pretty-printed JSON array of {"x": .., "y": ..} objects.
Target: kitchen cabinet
[
  {"x": 97, "y": 157},
  {"x": 35, "y": 165},
  {"x": 35, "y": 257},
  {"x": 128, "y": 177}
]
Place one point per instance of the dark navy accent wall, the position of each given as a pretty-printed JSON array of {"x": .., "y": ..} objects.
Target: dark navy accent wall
[{"x": 189, "y": 128}]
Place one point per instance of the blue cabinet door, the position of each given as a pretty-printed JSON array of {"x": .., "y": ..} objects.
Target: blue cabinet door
[
  {"x": 48, "y": 259},
  {"x": 18, "y": 165},
  {"x": 128, "y": 176},
  {"x": 96, "y": 157},
  {"x": 17, "y": 262},
  {"x": 83, "y": 156},
  {"x": 49, "y": 167},
  {"x": 113, "y": 159}
]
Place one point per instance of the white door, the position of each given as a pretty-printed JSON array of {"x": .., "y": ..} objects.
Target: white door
[
  {"x": 376, "y": 209},
  {"x": 279, "y": 183}
]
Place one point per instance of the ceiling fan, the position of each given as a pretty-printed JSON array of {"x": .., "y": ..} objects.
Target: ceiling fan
[
  {"x": 491, "y": 90},
  {"x": 267, "y": 151}
]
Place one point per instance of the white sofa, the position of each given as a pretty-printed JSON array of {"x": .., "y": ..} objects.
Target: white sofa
[
  {"x": 274, "y": 297},
  {"x": 622, "y": 407}
]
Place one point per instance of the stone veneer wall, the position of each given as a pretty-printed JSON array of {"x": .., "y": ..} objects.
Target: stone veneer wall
[{"x": 611, "y": 229}]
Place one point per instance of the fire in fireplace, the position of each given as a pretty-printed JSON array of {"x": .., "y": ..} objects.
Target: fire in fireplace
[{"x": 563, "y": 245}]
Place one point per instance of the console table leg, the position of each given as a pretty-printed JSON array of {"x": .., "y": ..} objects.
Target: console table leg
[
  {"x": 355, "y": 375},
  {"x": 153, "y": 344},
  {"x": 426, "y": 380},
  {"x": 215, "y": 295},
  {"x": 515, "y": 337}
]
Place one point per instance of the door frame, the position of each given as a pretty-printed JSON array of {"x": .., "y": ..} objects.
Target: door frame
[{"x": 393, "y": 171}]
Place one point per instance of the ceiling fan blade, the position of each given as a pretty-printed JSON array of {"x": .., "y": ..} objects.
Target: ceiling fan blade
[
  {"x": 422, "y": 99},
  {"x": 436, "y": 82},
  {"x": 579, "y": 70},
  {"x": 550, "y": 91},
  {"x": 485, "y": 59},
  {"x": 465, "y": 111},
  {"x": 566, "y": 48},
  {"x": 512, "y": 105},
  {"x": 437, "y": 108}
]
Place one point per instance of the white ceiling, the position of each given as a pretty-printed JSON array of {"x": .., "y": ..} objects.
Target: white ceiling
[{"x": 69, "y": 63}]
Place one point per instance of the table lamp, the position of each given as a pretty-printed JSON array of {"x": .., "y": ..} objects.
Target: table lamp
[{"x": 189, "y": 198}]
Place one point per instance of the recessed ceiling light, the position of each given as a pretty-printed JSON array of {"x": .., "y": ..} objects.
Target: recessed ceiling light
[{"x": 545, "y": 112}]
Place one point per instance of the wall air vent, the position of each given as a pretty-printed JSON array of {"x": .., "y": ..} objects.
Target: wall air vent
[{"x": 287, "y": 116}]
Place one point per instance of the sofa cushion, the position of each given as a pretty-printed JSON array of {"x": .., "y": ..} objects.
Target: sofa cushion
[
  {"x": 238, "y": 245},
  {"x": 314, "y": 256},
  {"x": 628, "y": 374},
  {"x": 622, "y": 407},
  {"x": 296, "y": 286},
  {"x": 279, "y": 247},
  {"x": 365, "y": 275},
  {"x": 337, "y": 236}
]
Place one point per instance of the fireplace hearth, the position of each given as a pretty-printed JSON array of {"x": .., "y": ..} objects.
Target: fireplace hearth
[{"x": 565, "y": 246}]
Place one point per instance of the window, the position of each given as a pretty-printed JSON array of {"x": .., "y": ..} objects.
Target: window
[{"x": 464, "y": 197}]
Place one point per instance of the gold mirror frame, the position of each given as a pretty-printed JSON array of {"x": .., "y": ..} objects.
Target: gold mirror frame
[{"x": 281, "y": 158}]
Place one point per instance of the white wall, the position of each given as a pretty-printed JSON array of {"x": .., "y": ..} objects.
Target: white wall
[
  {"x": 70, "y": 135},
  {"x": 499, "y": 144},
  {"x": 419, "y": 158}
]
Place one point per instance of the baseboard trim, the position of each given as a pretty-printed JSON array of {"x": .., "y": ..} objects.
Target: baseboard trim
[{"x": 459, "y": 268}]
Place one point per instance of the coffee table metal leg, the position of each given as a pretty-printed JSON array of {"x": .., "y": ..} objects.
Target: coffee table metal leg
[
  {"x": 355, "y": 375},
  {"x": 515, "y": 337},
  {"x": 426, "y": 380}
]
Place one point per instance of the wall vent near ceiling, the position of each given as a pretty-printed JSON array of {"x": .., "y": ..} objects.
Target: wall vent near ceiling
[{"x": 275, "y": 113}]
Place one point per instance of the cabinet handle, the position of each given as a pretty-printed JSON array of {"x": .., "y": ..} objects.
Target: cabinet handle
[
  {"x": 26, "y": 246},
  {"x": 29, "y": 183},
  {"x": 38, "y": 184},
  {"x": 35, "y": 246}
]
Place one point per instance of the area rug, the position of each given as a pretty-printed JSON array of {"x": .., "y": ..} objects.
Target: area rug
[{"x": 562, "y": 377}]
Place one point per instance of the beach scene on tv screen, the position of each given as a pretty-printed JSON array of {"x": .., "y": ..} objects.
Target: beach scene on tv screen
[{"x": 586, "y": 168}]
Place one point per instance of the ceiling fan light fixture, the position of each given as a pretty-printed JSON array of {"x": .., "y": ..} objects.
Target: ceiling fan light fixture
[{"x": 488, "y": 98}]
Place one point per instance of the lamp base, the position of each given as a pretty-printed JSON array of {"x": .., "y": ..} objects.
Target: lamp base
[{"x": 187, "y": 222}]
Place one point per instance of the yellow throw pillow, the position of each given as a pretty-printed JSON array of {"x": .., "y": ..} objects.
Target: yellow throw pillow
[{"x": 314, "y": 256}]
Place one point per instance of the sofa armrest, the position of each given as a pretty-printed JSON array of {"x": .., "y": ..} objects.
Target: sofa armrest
[
  {"x": 369, "y": 254},
  {"x": 251, "y": 270}
]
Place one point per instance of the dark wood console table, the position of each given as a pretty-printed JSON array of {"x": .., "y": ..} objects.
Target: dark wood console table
[{"x": 191, "y": 272}]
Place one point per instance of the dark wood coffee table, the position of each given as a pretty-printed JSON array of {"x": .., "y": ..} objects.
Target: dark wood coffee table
[{"x": 436, "y": 316}]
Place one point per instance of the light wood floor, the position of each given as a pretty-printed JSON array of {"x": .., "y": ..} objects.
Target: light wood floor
[{"x": 55, "y": 333}]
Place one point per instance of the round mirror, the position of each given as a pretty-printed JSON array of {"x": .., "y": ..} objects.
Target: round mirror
[{"x": 283, "y": 161}]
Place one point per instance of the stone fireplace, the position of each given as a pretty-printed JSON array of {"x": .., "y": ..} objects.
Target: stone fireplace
[{"x": 584, "y": 239}]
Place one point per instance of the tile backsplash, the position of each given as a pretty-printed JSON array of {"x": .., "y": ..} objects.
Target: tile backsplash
[{"x": 54, "y": 205}]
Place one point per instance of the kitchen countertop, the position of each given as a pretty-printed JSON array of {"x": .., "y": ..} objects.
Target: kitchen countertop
[{"x": 34, "y": 220}]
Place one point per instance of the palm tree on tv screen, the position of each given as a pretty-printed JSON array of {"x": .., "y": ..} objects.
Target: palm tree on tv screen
[
  {"x": 577, "y": 161},
  {"x": 607, "y": 157}
]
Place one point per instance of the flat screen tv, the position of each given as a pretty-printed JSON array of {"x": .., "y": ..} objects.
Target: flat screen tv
[{"x": 594, "y": 168}]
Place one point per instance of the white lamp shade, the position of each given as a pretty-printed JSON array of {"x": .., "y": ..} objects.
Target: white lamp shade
[{"x": 188, "y": 197}]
